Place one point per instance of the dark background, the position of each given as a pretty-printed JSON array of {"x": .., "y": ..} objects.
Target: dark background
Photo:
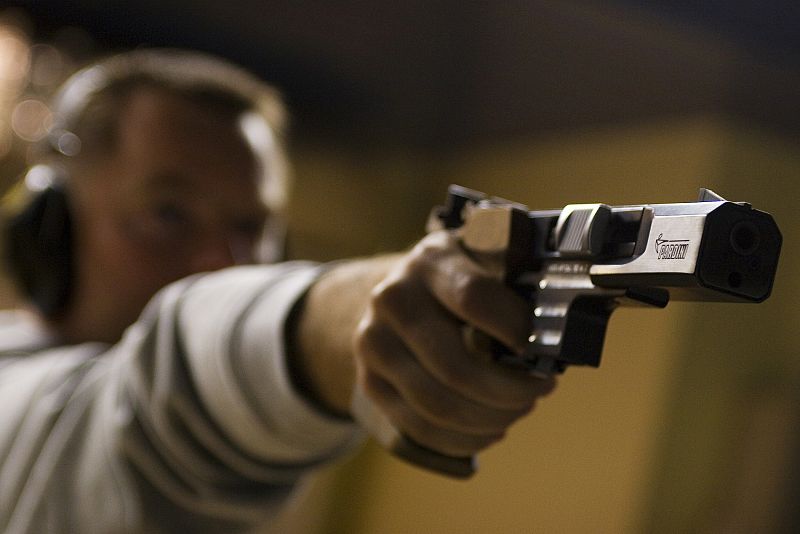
[{"x": 444, "y": 73}]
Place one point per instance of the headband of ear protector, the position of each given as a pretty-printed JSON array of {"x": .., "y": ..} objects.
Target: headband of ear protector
[{"x": 38, "y": 241}]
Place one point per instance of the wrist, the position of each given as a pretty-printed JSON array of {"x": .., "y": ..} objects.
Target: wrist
[{"x": 320, "y": 331}]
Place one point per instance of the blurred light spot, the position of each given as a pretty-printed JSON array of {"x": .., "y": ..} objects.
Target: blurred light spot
[
  {"x": 31, "y": 120},
  {"x": 40, "y": 177},
  {"x": 47, "y": 65},
  {"x": 257, "y": 132},
  {"x": 259, "y": 135},
  {"x": 67, "y": 143},
  {"x": 14, "y": 55}
]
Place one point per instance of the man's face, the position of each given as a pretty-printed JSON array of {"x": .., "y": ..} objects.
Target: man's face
[{"x": 178, "y": 195}]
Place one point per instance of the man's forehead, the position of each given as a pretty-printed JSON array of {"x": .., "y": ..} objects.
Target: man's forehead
[
  {"x": 185, "y": 183},
  {"x": 168, "y": 143},
  {"x": 164, "y": 111},
  {"x": 164, "y": 128}
]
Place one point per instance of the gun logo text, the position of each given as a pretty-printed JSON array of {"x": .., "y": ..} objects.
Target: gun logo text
[{"x": 671, "y": 249}]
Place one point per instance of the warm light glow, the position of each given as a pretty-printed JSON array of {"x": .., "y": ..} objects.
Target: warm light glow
[
  {"x": 31, "y": 119},
  {"x": 14, "y": 55},
  {"x": 14, "y": 65}
]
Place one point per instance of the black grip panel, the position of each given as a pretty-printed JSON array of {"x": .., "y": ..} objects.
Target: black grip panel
[{"x": 454, "y": 466}]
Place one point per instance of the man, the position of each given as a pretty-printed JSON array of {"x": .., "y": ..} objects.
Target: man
[{"x": 237, "y": 378}]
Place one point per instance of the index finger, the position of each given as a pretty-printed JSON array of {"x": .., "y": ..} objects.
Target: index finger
[{"x": 476, "y": 295}]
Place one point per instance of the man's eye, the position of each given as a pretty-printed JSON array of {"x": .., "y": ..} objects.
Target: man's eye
[
  {"x": 249, "y": 228},
  {"x": 160, "y": 224}
]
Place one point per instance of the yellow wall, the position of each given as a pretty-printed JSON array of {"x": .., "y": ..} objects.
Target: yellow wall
[{"x": 619, "y": 449}]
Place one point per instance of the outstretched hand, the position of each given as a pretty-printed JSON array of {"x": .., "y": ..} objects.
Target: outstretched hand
[
  {"x": 413, "y": 360},
  {"x": 396, "y": 326}
]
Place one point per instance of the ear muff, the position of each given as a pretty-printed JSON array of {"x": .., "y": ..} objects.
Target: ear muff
[{"x": 38, "y": 243}]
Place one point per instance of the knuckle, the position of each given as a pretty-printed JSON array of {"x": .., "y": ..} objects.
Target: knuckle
[
  {"x": 457, "y": 377},
  {"x": 373, "y": 388},
  {"x": 409, "y": 423},
  {"x": 472, "y": 292},
  {"x": 365, "y": 342},
  {"x": 389, "y": 296},
  {"x": 418, "y": 429},
  {"x": 380, "y": 392},
  {"x": 365, "y": 335},
  {"x": 397, "y": 302},
  {"x": 434, "y": 243},
  {"x": 441, "y": 411},
  {"x": 429, "y": 252},
  {"x": 372, "y": 351}
]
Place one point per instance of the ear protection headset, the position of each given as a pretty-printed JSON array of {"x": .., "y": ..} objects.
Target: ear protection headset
[
  {"x": 38, "y": 241},
  {"x": 38, "y": 226}
]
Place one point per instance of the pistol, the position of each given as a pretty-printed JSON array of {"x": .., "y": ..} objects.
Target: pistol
[{"x": 578, "y": 264}]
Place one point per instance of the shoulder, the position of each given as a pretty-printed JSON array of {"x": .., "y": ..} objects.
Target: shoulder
[{"x": 20, "y": 332}]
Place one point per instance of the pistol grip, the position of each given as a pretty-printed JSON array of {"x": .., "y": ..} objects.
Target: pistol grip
[{"x": 379, "y": 426}]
